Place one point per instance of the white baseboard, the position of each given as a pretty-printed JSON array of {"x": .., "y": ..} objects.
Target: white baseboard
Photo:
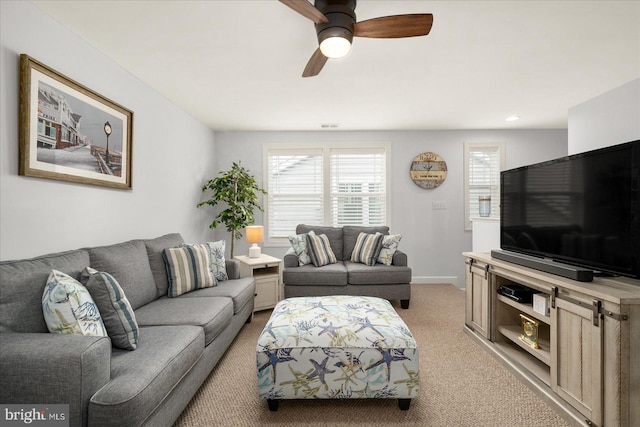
[{"x": 434, "y": 279}]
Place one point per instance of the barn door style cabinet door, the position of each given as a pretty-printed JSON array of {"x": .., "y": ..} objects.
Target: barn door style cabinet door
[
  {"x": 577, "y": 355},
  {"x": 477, "y": 297},
  {"x": 582, "y": 355}
]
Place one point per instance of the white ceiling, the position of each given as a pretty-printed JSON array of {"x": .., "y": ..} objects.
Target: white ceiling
[{"x": 236, "y": 65}]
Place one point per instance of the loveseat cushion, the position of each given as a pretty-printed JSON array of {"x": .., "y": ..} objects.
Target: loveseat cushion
[
  {"x": 141, "y": 379},
  {"x": 333, "y": 233},
  {"x": 212, "y": 314},
  {"x": 379, "y": 274},
  {"x": 350, "y": 236},
  {"x": 332, "y": 275},
  {"x": 128, "y": 263},
  {"x": 156, "y": 262},
  {"x": 22, "y": 283},
  {"x": 241, "y": 291}
]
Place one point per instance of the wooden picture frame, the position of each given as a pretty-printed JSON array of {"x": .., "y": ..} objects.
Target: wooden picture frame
[{"x": 69, "y": 132}]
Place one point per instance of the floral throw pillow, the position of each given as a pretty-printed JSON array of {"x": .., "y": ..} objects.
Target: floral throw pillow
[
  {"x": 68, "y": 307},
  {"x": 299, "y": 245},
  {"x": 218, "y": 267},
  {"x": 389, "y": 247}
]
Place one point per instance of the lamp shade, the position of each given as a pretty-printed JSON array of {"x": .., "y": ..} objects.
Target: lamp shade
[{"x": 255, "y": 234}]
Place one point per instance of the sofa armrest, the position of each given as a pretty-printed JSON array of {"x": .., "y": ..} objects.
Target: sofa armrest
[
  {"x": 399, "y": 258},
  {"x": 290, "y": 259},
  {"x": 53, "y": 369},
  {"x": 233, "y": 268}
]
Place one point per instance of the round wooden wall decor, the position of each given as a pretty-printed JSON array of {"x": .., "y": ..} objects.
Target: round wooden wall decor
[{"x": 428, "y": 170}]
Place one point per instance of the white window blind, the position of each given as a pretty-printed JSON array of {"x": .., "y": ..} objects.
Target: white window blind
[
  {"x": 483, "y": 163},
  {"x": 295, "y": 190},
  {"x": 324, "y": 185},
  {"x": 358, "y": 184}
]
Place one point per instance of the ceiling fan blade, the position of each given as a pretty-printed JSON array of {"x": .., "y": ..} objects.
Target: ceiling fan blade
[
  {"x": 389, "y": 27},
  {"x": 315, "y": 64},
  {"x": 306, "y": 9}
]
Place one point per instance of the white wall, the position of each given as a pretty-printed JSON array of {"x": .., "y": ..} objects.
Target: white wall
[
  {"x": 173, "y": 154},
  {"x": 433, "y": 239},
  {"x": 609, "y": 119}
]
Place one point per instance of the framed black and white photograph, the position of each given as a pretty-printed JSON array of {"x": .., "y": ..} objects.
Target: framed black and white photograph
[{"x": 71, "y": 133}]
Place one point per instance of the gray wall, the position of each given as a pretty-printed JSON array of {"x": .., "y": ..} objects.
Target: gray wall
[
  {"x": 433, "y": 239},
  {"x": 609, "y": 119},
  {"x": 173, "y": 154}
]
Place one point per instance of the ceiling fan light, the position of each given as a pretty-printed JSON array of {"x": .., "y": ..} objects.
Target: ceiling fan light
[{"x": 335, "y": 47}]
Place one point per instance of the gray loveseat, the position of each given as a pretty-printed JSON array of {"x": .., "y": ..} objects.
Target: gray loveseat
[
  {"x": 180, "y": 339},
  {"x": 391, "y": 282}
]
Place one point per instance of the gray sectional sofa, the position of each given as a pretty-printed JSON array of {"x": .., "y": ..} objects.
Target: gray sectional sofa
[
  {"x": 391, "y": 282},
  {"x": 180, "y": 339}
]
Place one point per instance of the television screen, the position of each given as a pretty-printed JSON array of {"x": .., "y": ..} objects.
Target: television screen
[{"x": 582, "y": 209}]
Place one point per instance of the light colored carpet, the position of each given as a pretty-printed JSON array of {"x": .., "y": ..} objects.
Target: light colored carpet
[{"x": 460, "y": 383}]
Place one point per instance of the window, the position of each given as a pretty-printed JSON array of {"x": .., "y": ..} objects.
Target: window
[
  {"x": 482, "y": 165},
  {"x": 325, "y": 185}
]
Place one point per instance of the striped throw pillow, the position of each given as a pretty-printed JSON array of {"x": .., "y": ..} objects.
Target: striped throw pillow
[
  {"x": 367, "y": 248},
  {"x": 117, "y": 314},
  {"x": 320, "y": 249},
  {"x": 188, "y": 269}
]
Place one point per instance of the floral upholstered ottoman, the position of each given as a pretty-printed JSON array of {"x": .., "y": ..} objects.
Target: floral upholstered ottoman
[{"x": 336, "y": 347}]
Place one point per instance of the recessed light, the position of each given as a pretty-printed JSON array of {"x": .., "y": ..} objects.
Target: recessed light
[{"x": 512, "y": 118}]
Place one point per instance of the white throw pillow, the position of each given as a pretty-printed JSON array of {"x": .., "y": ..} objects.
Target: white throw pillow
[
  {"x": 299, "y": 245},
  {"x": 389, "y": 247},
  {"x": 68, "y": 307}
]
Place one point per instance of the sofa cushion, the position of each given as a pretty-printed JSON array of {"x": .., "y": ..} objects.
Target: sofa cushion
[
  {"x": 69, "y": 309},
  {"x": 156, "y": 261},
  {"x": 367, "y": 248},
  {"x": 379, "y": 274},
  {"x": 22, "y": 283},
  {"x": 117, "y": 315},
  {"x": 188, "y": 269},
  {"x": 333, "y": 233},
  {"x": 351, "y": 233},
  {"x": 241, "y": 291},
  {"x": 211, "y": 314},
  {"x": 141, "y": 379},
  {"x": 332, "y": 275},
  {"x": 320, "y": 249},
  {"x": 129, "y": 264}
]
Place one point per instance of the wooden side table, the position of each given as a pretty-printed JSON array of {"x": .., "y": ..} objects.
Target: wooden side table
[{"x": 267, "y": 271}]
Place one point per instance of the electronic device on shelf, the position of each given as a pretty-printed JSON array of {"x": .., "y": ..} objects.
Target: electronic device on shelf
[
  {"x": 576, "y": 215},
  {"x": 518, "y": 293}
]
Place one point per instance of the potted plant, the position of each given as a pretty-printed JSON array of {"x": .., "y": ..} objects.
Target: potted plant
[{"x": 238, "y": 189}]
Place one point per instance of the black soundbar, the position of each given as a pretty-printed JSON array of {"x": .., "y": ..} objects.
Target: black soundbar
[{"x": 565, "y": 270}]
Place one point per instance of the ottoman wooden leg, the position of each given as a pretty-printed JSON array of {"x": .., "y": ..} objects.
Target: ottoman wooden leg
[
  {"x": 403, "y": 404},
  {"x": 404, "y": 303},
  {"x": 273, "y": 404}
]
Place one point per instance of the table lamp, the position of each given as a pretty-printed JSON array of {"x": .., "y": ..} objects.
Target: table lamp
[{"x": 255, "y": 235}]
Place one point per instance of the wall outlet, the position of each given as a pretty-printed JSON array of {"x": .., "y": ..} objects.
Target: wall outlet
[{"x": 439, "y": 205}]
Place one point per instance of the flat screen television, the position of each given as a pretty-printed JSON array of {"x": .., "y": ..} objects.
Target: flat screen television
[{"x": 582, "y": 210}]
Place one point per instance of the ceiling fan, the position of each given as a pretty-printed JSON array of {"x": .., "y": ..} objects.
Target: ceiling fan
[{"x": 336, "y": 26}]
